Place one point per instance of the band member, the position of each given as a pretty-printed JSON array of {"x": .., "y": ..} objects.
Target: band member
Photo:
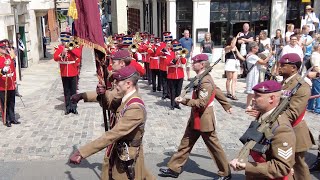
[
  {"x": 143, "y": 50},
  {"x": 155, "y": 65},
  {"x": 289, "y": 67},
  {"x": 175, "y": 74},
  {"x": 279, "y": 158},
  {"x": 7, "y": 86},
  {"x": 127, "y": 159},
  {"x": 68, "y": 56},
  {"x": 201, "y": 123},
  {"x": 163, "y": 54}
]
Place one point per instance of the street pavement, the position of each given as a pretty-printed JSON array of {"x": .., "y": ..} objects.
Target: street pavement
[{"x": 39, "y": 148}]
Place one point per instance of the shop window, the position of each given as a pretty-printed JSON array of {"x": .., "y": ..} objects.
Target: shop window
[{"x": 219, "y": 11}]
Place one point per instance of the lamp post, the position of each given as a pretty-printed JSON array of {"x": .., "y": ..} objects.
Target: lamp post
[{"x": 17, "y": 39}]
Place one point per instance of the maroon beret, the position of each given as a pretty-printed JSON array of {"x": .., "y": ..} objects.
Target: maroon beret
[
  {"x": 290, "y": 58},
  {"x": 124, "y": 73},
  {"x": 121, "y": 54},
  {"x": 200, "y": 57},
  {"x": 267, "y": 87}
]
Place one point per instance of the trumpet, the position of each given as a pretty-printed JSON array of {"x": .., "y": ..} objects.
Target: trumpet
[
  {"x": 184, "y": 52},
  {"x": 70, "y": 45},
  {"x": 133, "y": 48}
]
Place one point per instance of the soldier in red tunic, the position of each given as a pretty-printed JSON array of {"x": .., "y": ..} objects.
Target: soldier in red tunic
[
  {"x": 175, "y": 73},
  {"x": 164, "y": 53},
  {"x": 7, "y": 83},
  {"x": 69, "y": 59},
  {"x": 143, "y": 50},
  {"x": 154, "y": 64}
]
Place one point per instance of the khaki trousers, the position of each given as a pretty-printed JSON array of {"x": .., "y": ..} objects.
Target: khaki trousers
[
  {"x": 212, "y": 142},
  {"x": 301, "y": 169}
]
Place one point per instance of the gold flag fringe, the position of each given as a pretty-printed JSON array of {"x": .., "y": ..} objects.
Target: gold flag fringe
[
  {"x": 72, "y": 11},
  {"x": 90, "y": 44}
]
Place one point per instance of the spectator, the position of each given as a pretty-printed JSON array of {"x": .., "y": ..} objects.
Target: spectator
[
  {"x": 245, "y": 37},
  {"x": 21, "y": 51},
  {"x": 232, "y": 66},
  {"x": 310, "y": 19},
  {"x": 186, "y": 42},
  {"x": 206, "y": 46},
  {"x": 307, "y": 42},
  {"x": 293, "y": 47},
  {"x": 254, "y": 63},
  {"x": 290, "y": 28},
  {"x": 314, "y": 104},
  {"x": 265, "y": 41},
  {"x": 44, "y": 44},
  {"x": 261, "y": 47},
  {"x": 277, "y": 44}
]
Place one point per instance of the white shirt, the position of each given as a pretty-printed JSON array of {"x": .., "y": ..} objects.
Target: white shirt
[
  {"x": 125, "y": 97},
  {"x": 289, "y": 49},
  {"x": 315, "y": 59}
]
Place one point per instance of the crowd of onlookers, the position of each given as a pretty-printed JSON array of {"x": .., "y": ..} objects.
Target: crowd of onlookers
[{"x": 256, "y": 57}]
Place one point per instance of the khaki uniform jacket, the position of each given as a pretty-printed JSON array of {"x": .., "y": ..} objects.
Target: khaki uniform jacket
[
  {"x": 297, "y": 105},
  {"x": 203, "y": 94},
  {"x": 279, "y": 157},
  {"x": 129, "y": 127}
]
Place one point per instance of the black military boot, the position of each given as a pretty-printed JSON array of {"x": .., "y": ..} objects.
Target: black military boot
[
  {"x": 168, "y": 173},
  {"x": 316, "y": 165},
  {"x": 8, "y": 124}
]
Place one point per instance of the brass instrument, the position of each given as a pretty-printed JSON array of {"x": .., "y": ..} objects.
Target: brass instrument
[
  {"x": 109, "y": 40},
  {"x": 72, "y": 44},
  {"x": 184, "y": 52},
  {"x": 133, "y": 48},
  {"x": 137, "y": 38}
]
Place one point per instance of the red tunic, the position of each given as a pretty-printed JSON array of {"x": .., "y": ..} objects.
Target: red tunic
[
  {"x": 143, "y": 50},
  {"x": 11, "y": 74},
  {"x": 69, "y": 64},
  {"x": 164, "y": 58},
  {"x": 175, "y": 71},
  {"x": 138, "y": 67},
  {"x": 154, "y": 59}
]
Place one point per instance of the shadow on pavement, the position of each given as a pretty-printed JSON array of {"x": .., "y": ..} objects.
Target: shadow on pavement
[
  {"x": 239, "y": 104},
  {"x": 191, "y": 166},
  {"x": 59, "y": 107}
]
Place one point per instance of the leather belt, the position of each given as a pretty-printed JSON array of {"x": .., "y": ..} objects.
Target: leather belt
[{"x": 67, "y": 62}]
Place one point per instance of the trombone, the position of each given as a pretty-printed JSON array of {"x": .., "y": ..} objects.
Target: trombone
[{"x": 184, "y": 52}]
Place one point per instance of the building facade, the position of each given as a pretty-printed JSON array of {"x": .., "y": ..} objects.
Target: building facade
[
  {"x": 25, "y": 17},
  {"x": 219, "y": 17}
]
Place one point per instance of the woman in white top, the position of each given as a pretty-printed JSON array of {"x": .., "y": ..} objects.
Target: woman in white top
[
  {"x": 232, "y": 66},
  {"x": 253, "y": 63},
  {"x": 290, "y": 28},
  {"x": 265, "y": 41},
  {"x": 309, "y": 19}
]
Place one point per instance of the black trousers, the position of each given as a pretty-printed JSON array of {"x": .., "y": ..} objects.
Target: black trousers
[
  {"x": 21, "y": 59},
  {"x": 174, "y": 87},
  {"x": 156, "y": 73},
  {"x": 11, "y": 101},
  {"x": 69, "y": 89},
  {"x": 148, "y": 72},
  {"x": 164, "y": 82}
]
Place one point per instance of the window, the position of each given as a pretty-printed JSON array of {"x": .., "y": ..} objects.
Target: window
[{"x": 184, "y": 11}]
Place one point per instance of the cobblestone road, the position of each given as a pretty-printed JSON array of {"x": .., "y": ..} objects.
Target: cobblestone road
[{"x": 47, "y": 134}]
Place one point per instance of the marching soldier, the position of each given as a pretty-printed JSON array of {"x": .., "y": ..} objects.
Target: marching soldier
[
  {"x": 164, "y": 53},
  {"x": 7, "y": 86},
  {"x": 126, "y": 159},
  {"x": 201, "y": 123},
  {"x": 143, "y": 50},
  {"x": 279, "y": 158},
  {"x": 175, "y": 74},
  {"x": 67, "y": 54},
  {"x": 289, "y": 67},
  {"x": 154, "y": 65}
]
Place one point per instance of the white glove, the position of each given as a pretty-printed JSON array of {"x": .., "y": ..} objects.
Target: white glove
[{"x": 6, "y": 69}]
